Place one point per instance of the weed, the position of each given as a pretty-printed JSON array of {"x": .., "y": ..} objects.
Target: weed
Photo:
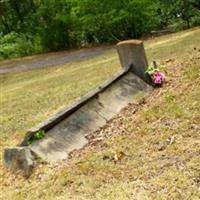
[
  {"x": 37, "y": 136},
  {"x": 169, "y": 97},
  {"x": 193, "y": 72}
]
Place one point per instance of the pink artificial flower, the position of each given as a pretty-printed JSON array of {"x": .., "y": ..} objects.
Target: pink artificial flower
[{"x": 158, "y": 78}]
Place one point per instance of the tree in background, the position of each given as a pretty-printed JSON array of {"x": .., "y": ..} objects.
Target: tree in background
[
  {"x": 182, "y": 10},
  {"x": 53, "y": 24},
  {"x": 33, "y": 26}
]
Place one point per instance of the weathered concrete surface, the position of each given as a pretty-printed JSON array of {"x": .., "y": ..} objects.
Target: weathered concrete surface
[
  {"x": 131, "y": 52},
  {"x": 70, "y": 133},
  {"x": 19, "y": 159},
  {"x": 66, "y": 130},
  {"x": 67, "y": 111}
]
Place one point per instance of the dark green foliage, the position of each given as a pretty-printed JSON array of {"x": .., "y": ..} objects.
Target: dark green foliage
[
  {"x": 13, "y": 45},
  {"x": 52, "y": 25},
  {"x": 185, "y": 12},
  {"x": 105, "y": 21}
]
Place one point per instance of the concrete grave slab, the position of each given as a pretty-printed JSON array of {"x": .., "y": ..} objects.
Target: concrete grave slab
[{"x": 66, "y": 130}]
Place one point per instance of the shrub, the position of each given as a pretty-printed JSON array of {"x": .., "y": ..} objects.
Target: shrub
[{"x": 14, "y": 45}]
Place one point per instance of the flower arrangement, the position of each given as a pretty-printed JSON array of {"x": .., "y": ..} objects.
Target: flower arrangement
[{"x": 157, "y": 77}]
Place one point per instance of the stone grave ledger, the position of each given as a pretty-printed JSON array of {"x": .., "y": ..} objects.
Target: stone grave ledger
[{"x": 67, "y": 130}]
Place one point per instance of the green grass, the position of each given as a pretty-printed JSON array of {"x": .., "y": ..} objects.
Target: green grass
[
  {"x": 29, "y": 97},
  {"x": 173, "y": 46},
  {"x": 149, "y": 151}
]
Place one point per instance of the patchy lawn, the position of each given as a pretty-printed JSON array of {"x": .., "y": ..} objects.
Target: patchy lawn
[
  {"x": 29, "y": 97},
  {"x": 151, "y": 150}
]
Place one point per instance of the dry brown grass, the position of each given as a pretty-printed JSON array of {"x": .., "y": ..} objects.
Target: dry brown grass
[{"x": 151, "y": 150}]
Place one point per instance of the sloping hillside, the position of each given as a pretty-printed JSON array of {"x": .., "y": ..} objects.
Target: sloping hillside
[{"x": 151, "y": 150}]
